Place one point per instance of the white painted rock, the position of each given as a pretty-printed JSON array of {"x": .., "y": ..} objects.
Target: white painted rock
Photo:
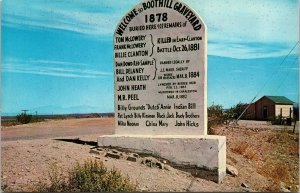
[
  {"x": 231, "y": 170},
  {"x": 283, "y": 188}
]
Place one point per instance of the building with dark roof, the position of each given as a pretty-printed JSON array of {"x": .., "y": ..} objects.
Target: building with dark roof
[{"x": 270, "y": 107}]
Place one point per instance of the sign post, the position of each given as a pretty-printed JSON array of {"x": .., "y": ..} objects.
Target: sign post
[
  {"x": 160, "y": 50},
  {"x": 160, "y": 68}
]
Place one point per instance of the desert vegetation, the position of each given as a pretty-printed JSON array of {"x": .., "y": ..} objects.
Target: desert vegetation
[
  {"x": 24, "y": 118},
  {"x": 282, "y": 160},
  {"x": 266, "y": 157},
  {"x": 217, "y": 115},
  {"x": 91, "y": 176},
  {"x": 274, "y": 154}
]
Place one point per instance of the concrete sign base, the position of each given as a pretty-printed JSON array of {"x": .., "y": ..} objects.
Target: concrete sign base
[
  {"x": 203, "y": 154},
  {"x": 160, "y": 80}
]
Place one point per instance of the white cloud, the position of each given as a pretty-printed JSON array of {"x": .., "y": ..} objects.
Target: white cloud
[
  {"x": 250, "y": 50},
  {"x": 48, "y": 62},
  {"x": 239, "y": 22},
  {"x": 81, "y": 22},
  {"x": 249, "y": 21},
  {"x": 86, "y": 17}
]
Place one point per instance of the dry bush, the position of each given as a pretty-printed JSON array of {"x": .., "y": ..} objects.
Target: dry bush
[
  {"x": 294, "y": 150},
  {"x": 246, "y": 150},
  {"x": 92, "y": 176},
  {"x": 231, "y": 160},
  {"x": 215, "y": 116},
  {"x": 212, "y": 131},
  {"x": 240, "y": 148},
  {"x": 283, "y": 137},
  {"x": 276, "y": 137},
  {"x": 277, "y": 172},
  {"x": 9, "y": 123},
  {"x": 250, "y": 153},
  {"x": 287, "y": 143},
  {"x": 24, "y": 118},
  {"x": 5, "y": 188},
  {"x": 273, "y": 188},
  {"x": 282, "y": 159}
]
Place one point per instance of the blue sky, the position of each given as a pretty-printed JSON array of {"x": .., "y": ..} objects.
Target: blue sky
[{"x": 57, "y": 55}]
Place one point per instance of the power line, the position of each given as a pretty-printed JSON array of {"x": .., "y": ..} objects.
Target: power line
[
  {"x": 267, "y": 81},
  {"x": 24, "y": 111},
  {"x": 273, "y": 74},
  {"x": 286, "y": 75}
]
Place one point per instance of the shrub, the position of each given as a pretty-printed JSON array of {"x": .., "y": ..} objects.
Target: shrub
[
  {"x": 279, "y": 120},
  {"x": 281, "y": 162},
  {"x": 91, "y": 176},
  {"x": 24, "y": 118},
  {"x": 240, "y": 148},
  {"x": 218, "y": 116},
  {"x": 9, "y": 123},
  {"x": 36, "y": 119},
  {"x": 275, "y": 170},
  {"x": 246, "y": 150},
  {"x": 215, "y": 115},
  {"x": 5, "y": 188},
  {"x": 235, "y": 111}
]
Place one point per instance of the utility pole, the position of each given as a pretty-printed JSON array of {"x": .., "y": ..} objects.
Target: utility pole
[{"x": 24, "y": 111}]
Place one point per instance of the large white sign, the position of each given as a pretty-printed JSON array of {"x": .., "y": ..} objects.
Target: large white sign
[{"x": 160, "y": 58}]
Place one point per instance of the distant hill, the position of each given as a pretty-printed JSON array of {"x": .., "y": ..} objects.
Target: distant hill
[
  {"x": 63, "y": 116},
  {"x": 57, "y": 110}
]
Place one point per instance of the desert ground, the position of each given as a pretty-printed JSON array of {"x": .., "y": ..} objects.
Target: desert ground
[{"x": 265, "y": 156}]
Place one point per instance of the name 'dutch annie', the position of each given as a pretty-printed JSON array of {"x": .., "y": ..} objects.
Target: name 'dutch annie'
[{"x": 160, "y": 54}]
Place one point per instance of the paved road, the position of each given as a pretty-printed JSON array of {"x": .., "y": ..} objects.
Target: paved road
[{"x": 58, "y": 129}]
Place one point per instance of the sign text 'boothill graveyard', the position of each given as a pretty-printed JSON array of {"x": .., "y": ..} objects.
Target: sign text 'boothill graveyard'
[{"x": 160, "y": 70}]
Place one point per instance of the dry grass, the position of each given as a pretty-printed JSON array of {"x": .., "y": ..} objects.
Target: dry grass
[
  {"x": 231, "y": 160},
  {"x": 277, "y": 171},
  {"x": 273, "y": 188},
  {"x": 294, "y": 150},
  {"x": 274, "y": 155},
  {"x": 250, "y": 153},
  {"x": 9, "y": 123},
  {"x": 91, "y": 176},
  {"x": 240, "y": 148},
  {"x": 282, "y": 160},
  {"x": 246, "y": 150},
  {"x": 212, "y": 131}
]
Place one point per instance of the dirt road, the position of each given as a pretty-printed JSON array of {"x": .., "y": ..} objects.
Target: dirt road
[
  {"x": 58, "y": 129},
  {"x": 29, "y": 151}
]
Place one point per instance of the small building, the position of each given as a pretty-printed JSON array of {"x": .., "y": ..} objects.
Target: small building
[{"x": 270, "y": 107}]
